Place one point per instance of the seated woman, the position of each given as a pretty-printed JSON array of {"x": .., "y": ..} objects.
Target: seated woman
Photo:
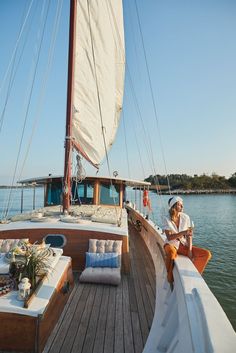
[{"x": 178, "y": 231}]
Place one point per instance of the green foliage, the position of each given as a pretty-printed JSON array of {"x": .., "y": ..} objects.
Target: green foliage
[
  {"x": 232, "y": 180},
  {"x": 32, "y": 262},
  {"x": 202, "y": 182}
]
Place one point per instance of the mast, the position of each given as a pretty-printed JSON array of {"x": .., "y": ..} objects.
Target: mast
[{"x": 70, "y": 84}]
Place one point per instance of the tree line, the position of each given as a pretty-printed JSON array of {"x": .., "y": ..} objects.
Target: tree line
[{"x": 201, "y": 182}]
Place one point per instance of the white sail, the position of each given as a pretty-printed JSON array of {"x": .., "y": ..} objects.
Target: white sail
[{"x": 98, "y": 76}]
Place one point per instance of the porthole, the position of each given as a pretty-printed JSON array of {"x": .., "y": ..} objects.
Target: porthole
[{"x": 55, "y": 240}]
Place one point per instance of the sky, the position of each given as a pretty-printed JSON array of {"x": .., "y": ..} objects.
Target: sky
[{"x": 189, "y": 127}]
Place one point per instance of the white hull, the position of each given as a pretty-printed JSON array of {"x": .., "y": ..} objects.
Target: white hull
[{"x": 189, "y": 318}]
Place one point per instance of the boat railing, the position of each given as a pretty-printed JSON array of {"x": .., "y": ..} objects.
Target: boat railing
[{"x": 188, "y": 317}]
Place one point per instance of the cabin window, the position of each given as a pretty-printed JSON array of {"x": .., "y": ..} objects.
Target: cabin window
[
  {"x": 54, "y": 194},
  {"x": 109, "y": 194},
  {"x": 83, "y": 193}
]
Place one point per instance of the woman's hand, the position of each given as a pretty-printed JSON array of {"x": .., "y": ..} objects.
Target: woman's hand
[{"x": 189, "y": 233}]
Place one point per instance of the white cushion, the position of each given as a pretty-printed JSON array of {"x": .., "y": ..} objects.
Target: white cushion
[
  {"x": 101, "y": 246},
  {"x": 103, "y": 219},
  {"x": 106, "y": 246},
  {"x": 104, "y": 275},
  {"x": 8, "y": 244}
]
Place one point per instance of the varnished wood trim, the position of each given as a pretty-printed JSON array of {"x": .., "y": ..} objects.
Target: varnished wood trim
[
  {"x": 29, "y": 334},
  {"x": 96, "y": 192},
  {"x": 54, "y": 308},
  {"x": 121, "y": 195},
  {"x": 76, "y": 245}
]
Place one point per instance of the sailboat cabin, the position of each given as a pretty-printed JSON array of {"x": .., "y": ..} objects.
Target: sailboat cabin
[{"x": 101, "y": 191}]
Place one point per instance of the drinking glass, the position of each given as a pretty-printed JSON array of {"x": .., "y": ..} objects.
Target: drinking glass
[{"x": 191, "y": 225}]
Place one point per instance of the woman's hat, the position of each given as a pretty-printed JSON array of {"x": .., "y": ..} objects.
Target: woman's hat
[{"x": 173, "y": 201}]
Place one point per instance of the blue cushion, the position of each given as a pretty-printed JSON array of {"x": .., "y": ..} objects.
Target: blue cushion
[{"x": 102, "y": 259}]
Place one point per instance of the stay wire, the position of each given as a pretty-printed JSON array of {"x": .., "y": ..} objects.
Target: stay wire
[
  {"x": 146, "y": 137},
  {"x": 45, "y": 79},
  {"x": 152, "y": 93},
  {"x": 14, "y": 69},
  {"x": 27, "y": 111},
  {"x": 150, "y": 152},
  {"x": 133, "y": 91},
  {"x": 16, "y": 46},
  {"x": 126, "y": 146}
]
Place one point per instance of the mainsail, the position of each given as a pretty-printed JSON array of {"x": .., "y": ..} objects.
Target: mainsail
[{"x": 98, "y": 76}]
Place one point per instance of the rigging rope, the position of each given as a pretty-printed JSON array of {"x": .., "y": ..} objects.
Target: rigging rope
[
  {"x": 79, "y": 173},
  {"x": 16, "y": 46},
  {"x": 132, "y": 87},
  {"x": 133, "y": 92},
  {"x": 44, "y": 83},
  {"x": 27, "y": 110},
  {"x": 147, "y": 137},
  {"x": 44, "y": 80},
  {"x": 126, "y": 147},
  {"x": 100, "y": 112},
  {"x": 13, "y": 74},
  {"x": 152, "y": 94}
]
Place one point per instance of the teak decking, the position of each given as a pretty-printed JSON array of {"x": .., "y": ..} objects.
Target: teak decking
[{"x": 106, "y": 319}]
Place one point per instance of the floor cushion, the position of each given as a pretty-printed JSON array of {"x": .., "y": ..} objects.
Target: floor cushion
[
  {"x": 104, "y": 275},
  {"x": 98, "y": 248}
]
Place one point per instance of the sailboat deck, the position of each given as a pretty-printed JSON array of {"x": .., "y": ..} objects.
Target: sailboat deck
[{"x": 103, "y": 318}]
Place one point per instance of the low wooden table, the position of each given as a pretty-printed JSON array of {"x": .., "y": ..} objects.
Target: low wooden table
[{"x": 27, "y": 330}]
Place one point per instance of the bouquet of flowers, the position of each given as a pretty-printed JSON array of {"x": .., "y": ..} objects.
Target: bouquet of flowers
[{"x": 31, "y": 261}]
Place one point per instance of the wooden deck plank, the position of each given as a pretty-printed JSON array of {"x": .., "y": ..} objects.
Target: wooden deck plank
[
  {"x": 143, "y": 254},
  {"x": 119, "y": 336},
  {"x": 109, "y": 319},
  {"x": 81, "y": 333},
  {"x": 60, "y": 331},
  {"x": 149, "y": 267},
  {"x": 72, "y": 328},
  {"x": 128, "y": 333},
  {"x": 137, "y": 334},
  {"x": 140, "y": 303},
  {"x": 110, "y": 327},
  {"x": 101, "y": 324},
  {"x": 141, "y": 279},
  {"x": 92, "y": 327},
  {"x": 152, "y": 298},
  {"x": 63, "y": 320},
  {"x": 144, "y": 269},
  {"x": 132, "y": 296},
  {"x": 141, "y": 310}
]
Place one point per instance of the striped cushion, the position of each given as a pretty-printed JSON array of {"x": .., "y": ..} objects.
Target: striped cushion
[
  {"x": 102, "y": 259},
  {"x": 7, "y": 245}
]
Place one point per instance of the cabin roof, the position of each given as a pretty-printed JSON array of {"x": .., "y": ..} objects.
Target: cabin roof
[{"x": 46, "y": 179}]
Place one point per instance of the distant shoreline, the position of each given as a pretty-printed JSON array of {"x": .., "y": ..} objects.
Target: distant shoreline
[
  {"x": 201, "y": 192},
  {"x": 153, "y": 188},
  {"x": 195, "y": 192},
  {"x": 164, "y": 191}
]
